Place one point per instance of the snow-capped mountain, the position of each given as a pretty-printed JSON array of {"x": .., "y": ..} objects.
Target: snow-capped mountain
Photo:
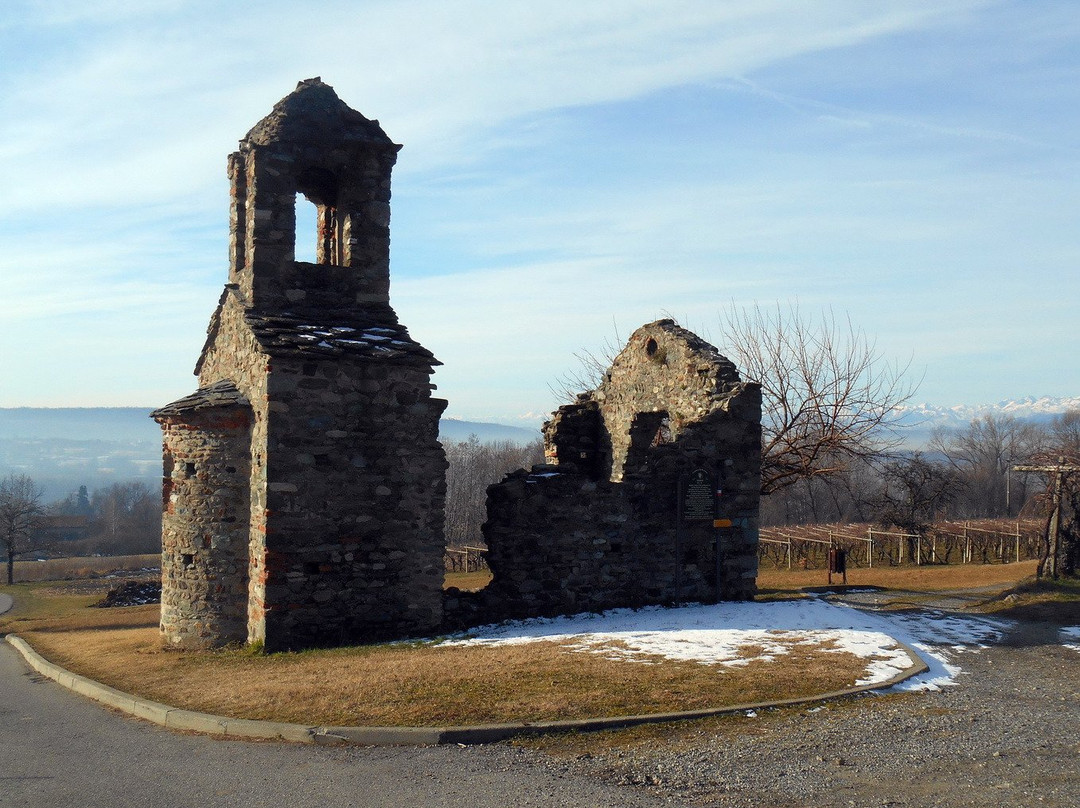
[
  {"x": 919, "y": 419},
  {"x": 1040, "y": 409}
]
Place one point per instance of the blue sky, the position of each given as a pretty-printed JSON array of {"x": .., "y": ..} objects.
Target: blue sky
[{"x": 569, "y": 169}]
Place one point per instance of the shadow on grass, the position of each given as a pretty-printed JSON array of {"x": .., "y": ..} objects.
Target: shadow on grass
[{"x": 1040, "y": 601}]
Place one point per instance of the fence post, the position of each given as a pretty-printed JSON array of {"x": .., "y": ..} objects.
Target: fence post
[{"x": 870, "y": 550}]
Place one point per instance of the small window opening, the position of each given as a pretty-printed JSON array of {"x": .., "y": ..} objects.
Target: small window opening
[
  {"x": 317, "y": 216},
  {"x": 311, "y": 567},
  {"x": 189, "y": 470},
  {"x": 650, "y": 347},
  {"x": 187, "y": 559},
  {"x": 663, "y": 433},
  {"x": 307, "y": 226},
  {"x": 647, "y": 431}
]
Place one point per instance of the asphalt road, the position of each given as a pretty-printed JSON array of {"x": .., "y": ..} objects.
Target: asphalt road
[
  {"x": 1005, "y": 734},
  {"x": 58, "y": 749}
]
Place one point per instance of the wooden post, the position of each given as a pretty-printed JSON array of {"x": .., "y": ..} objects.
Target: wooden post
[{"x": 1051, "y": 564}]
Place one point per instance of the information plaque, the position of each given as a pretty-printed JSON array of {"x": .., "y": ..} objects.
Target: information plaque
[{"x": 698, "y": 497}]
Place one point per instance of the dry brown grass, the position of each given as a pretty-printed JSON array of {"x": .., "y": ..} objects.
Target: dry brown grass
[
  {"x": 431, "y": 684},
  {"x": 58, "y": 569},
  {"x": 930, "y": 578},
  {"x": 399, "y": 684},
  {"x": 467, "y": 581}
]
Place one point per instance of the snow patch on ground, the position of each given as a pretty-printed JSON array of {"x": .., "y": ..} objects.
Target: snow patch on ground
[
  {"x": 723, "y": 634},
  {"x": 1070, "y": 637}
]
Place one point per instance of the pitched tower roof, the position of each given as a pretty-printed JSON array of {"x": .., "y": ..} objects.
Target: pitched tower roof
[{"x": 313, "y": 115}]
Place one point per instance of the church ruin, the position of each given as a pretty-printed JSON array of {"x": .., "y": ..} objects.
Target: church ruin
[
  {"x": 605, "y": 523},
  {"x": 304, "y": 482}
]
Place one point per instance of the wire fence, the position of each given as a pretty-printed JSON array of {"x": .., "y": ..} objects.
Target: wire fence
[
  {"x": 465, "y": 558},
  {"x": 970, "y": 542}
]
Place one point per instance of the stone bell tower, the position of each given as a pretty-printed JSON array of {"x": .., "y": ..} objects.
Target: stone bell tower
[
  {"x": 304, "y": 479},
  {"x": 313, "y": 145}
]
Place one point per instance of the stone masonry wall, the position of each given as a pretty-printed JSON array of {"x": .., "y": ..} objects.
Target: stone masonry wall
[
  {"x": 598, "y": 528},
  {"x": 355, "y": 496},
  {"x": 204, "y": 552},
  {"x": 232, "y": 353}
]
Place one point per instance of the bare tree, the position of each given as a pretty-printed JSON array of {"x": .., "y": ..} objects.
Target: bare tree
[
  {"x": 473, "y": 466},
  {"x": 828, "y": 396},
  {"x": 1064, "y": 433},
  {"x": 20, "y": 505},
  {"x": 915, "y": 489},
  {"x": 983, "y": 453},
  {"x": 845, "y": 496},
  {"x": 126, "y": 518}
]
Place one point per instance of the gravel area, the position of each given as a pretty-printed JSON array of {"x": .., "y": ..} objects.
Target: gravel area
[{"x": 1006, "y": 734}]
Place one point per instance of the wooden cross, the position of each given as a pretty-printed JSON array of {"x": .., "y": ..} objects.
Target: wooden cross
[{"x": 1050, "y": 564}]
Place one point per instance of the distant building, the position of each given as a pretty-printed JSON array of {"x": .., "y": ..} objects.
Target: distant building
[{"x": 60, "y": 528}]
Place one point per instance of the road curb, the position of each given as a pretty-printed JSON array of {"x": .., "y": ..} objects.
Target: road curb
[{"x": 175, "y": 718}]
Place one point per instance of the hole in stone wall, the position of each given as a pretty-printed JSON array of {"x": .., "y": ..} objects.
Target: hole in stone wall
[
  {"x": 663, "y": 433},
  {"x": 650, "y": 347},
  {"x": 307, "y": 230},
  {"x": 189, "y": 470},
  {"x": 187, "y": 559},
  {"x": 166, "y": 479},
  {"x": 317, "y": 239},
  {"x": 311, "y": 567}
]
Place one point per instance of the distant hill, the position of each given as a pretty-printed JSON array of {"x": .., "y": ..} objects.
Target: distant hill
[
  {"x": 454, "y": 430},
  {"x": 78, "y": 423},
  {"x": 65, "y": 447}
]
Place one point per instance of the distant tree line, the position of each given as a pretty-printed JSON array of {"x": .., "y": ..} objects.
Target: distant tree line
[
  {"x": 123, "y": 518},
  {"x": 962, "y": 474},
  {"x": 473, "y": 466}
]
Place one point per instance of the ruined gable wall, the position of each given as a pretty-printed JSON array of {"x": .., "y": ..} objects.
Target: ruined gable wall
[
  {"x": 662, "y": 369},
  {"x": 596, "y": 531}
]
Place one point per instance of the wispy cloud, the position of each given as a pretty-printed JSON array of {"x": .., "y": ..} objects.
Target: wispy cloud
[{"x": 567, "y": 165}]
